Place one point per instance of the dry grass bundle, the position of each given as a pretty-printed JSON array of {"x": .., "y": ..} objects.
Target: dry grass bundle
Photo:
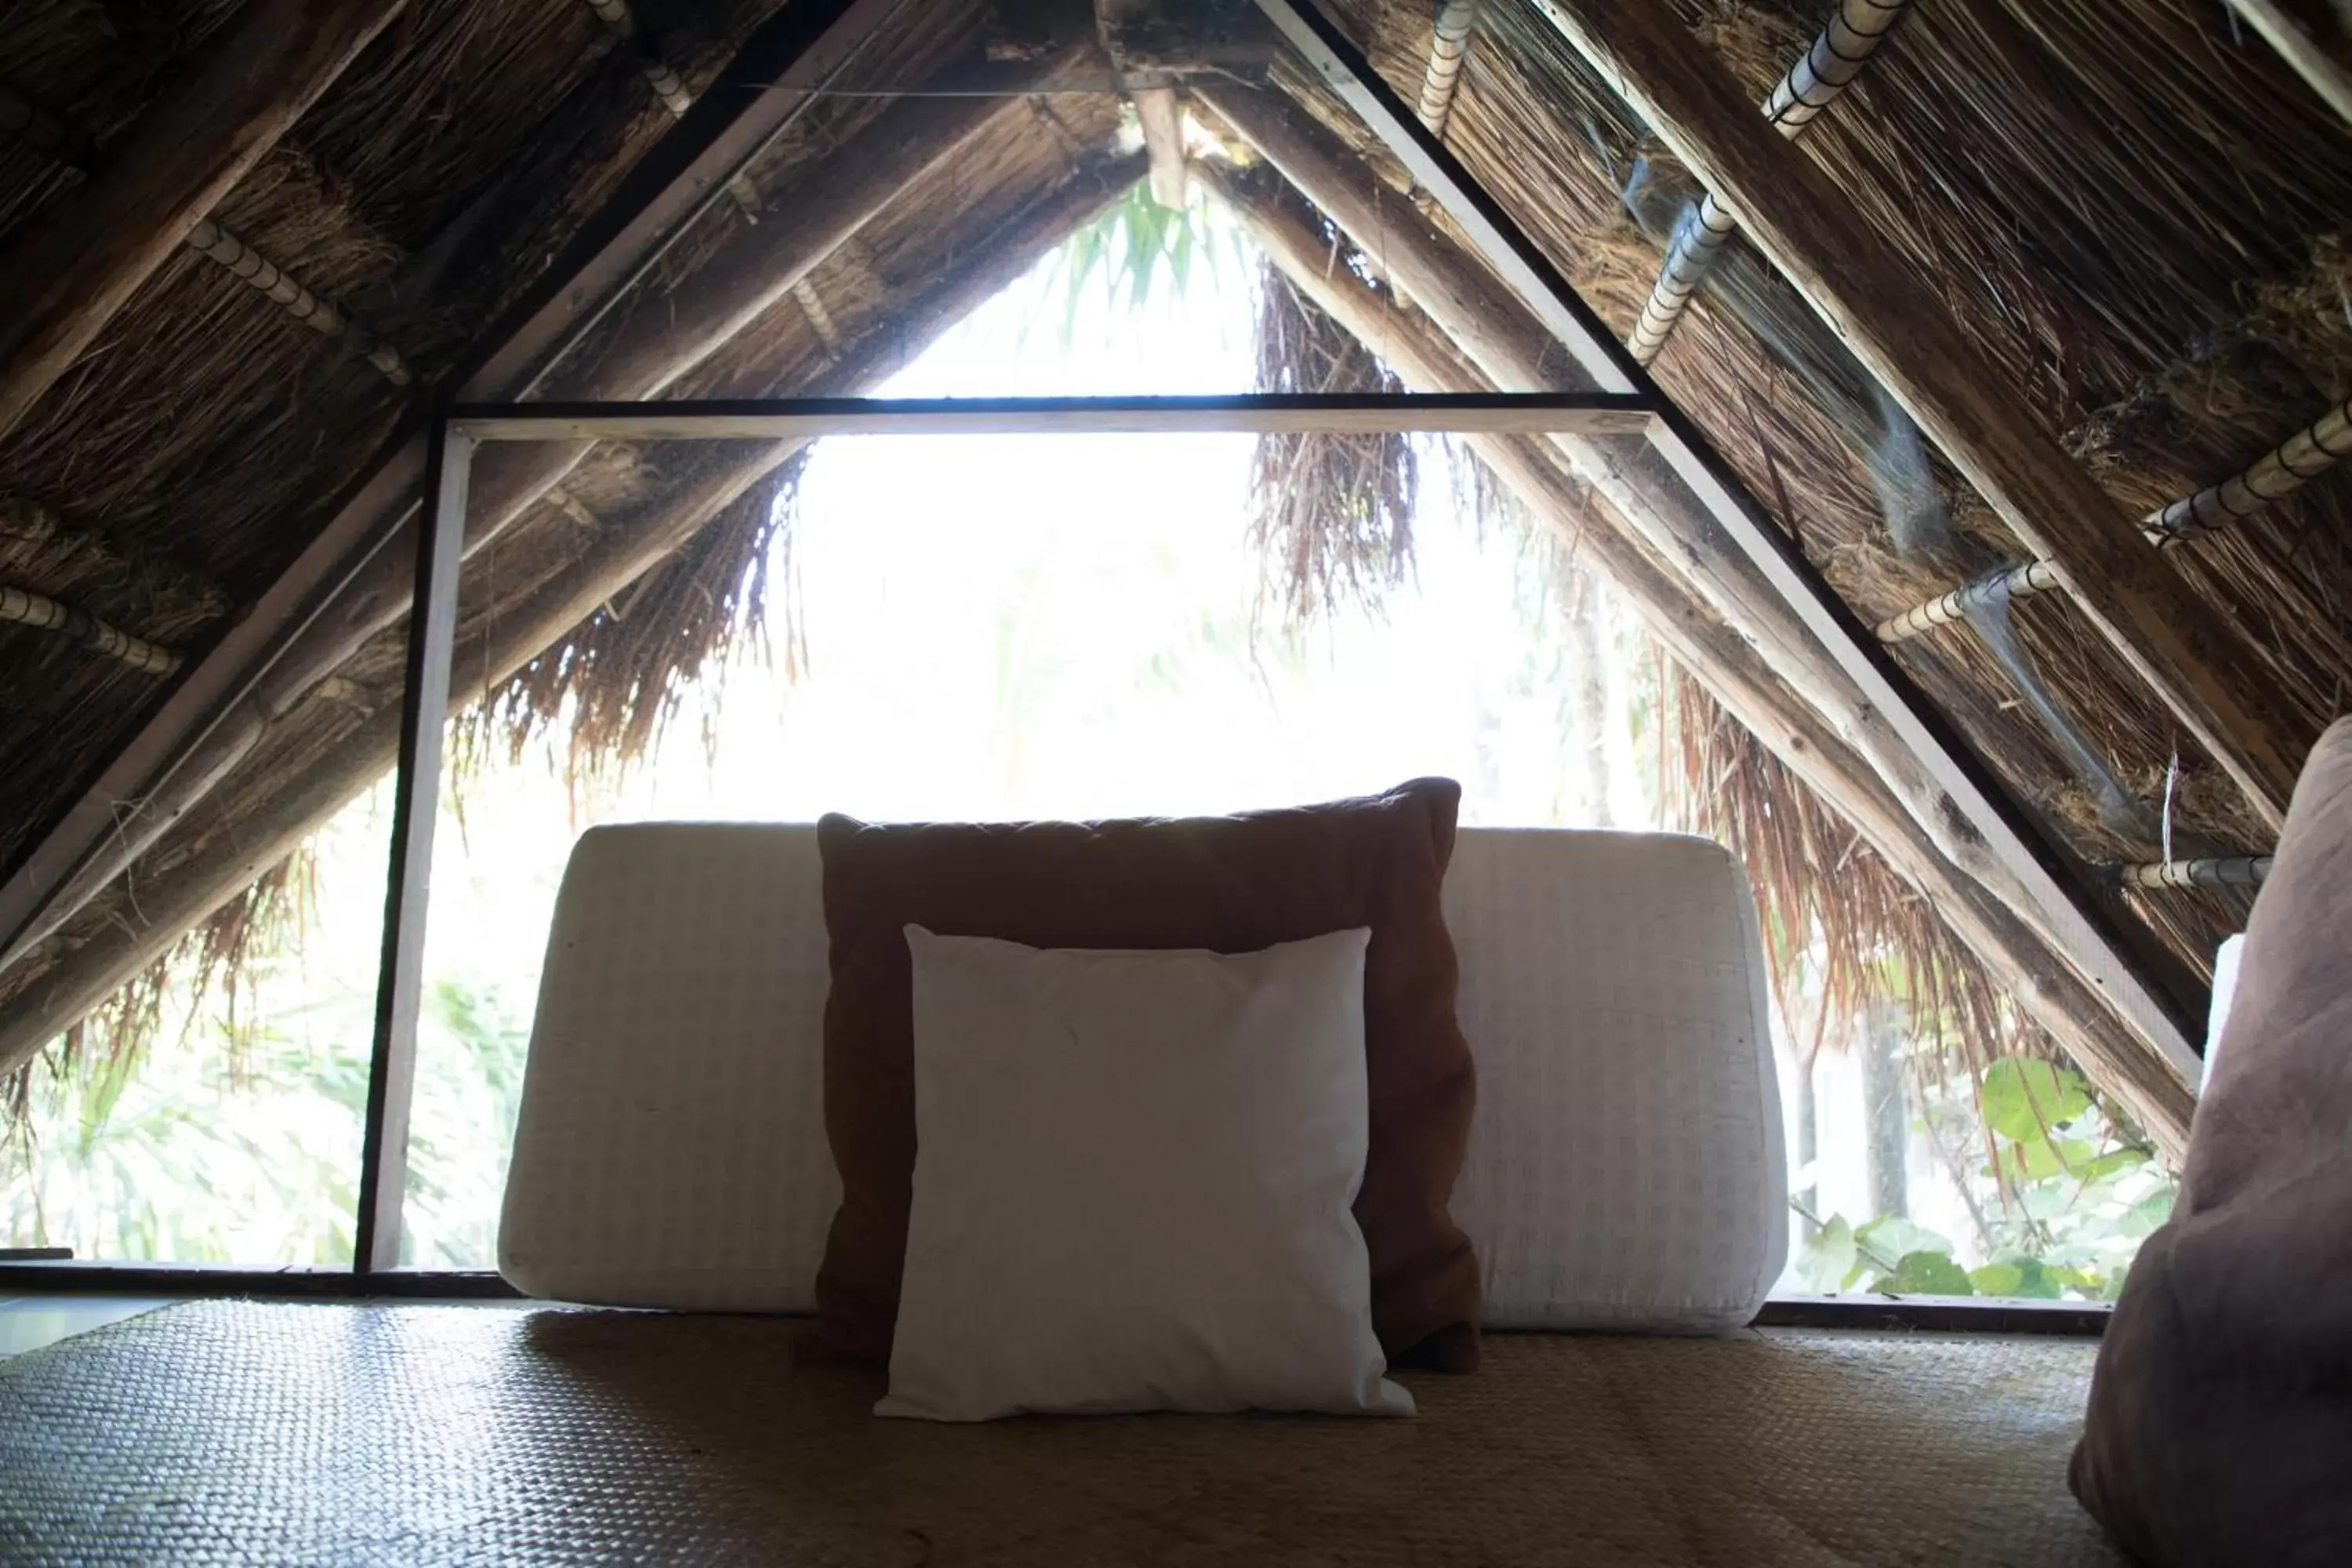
[
  {"x": 1838, "y": 923},
  {"x": 603, "y": 697},
  {"x": 123, "y": 442},
  {"x": 92, "y": 68},
  {"x": 1330, "y": 516},
  {"x": 2121, "y": 223},
  {"x": 2144, "y": 164},
  {"x": 209, "y": 973},
  {"x": 495, "y": 69}
]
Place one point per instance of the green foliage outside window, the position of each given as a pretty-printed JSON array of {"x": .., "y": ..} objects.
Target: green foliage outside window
[{"x": 2058, "y": 1197}]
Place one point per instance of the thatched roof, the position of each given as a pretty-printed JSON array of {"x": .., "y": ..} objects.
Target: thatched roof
[{"x": 2132, "y": 214}]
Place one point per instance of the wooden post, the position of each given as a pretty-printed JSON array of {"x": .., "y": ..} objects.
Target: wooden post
[
  {"x": 417, "y": 807},
  {"x": 2203, "y": 668},
  {"x": 74, "y": 268}
]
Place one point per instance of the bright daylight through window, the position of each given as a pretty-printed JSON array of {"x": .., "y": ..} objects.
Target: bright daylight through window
[{"x": 1069, "y": 627}]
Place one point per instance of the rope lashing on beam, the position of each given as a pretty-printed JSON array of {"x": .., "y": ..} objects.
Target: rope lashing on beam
[
  {"x": 2011, "y": 582},
  {"x": 1812, "y": 85},
  {"x": 2281, "y": 471},
  {"x": 667, "y": 86},
  {"x": 1455, "y": 20},
  {"x": 36, "y": 127},
  {"x": 22, "y": 607},
  {"x": 1699, "y": 240},
  {"x": 266, "y": 278},
  {"x": 2277, "y": 473},
  {"x": 1830, "y": 66},
  {"x": 2221, "y": 871}
]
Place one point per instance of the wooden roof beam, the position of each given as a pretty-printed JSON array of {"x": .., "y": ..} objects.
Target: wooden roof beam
[
  {"x": 1821, "y": 75},
  {"x": 218, "y": 705},
  {"x": 104, "y": 952},
  {"x": 2301, "y": 51},
  {"x": 69, "y": 274},
  {"x": 1748, "y": 577},
  {"x": 1731, "y": 667},
  {"x": 2203, "y": 668}
]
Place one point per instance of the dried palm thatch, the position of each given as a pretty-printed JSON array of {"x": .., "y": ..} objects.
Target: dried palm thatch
[
  {"x": 604, "y": 697},
  {"x": 422, "y": 194},
  {"x": 1838, "y": 923},
  {"x": 1330, "y": 516},
  {"x": 210, "y": 972},
  {"x": 2134, "y": 219}
]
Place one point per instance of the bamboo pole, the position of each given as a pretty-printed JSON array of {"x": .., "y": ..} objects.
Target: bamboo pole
[
  {"x": 1732, "y": 668},
  {"x": 1449, "y": 47},
  {"x": 22, "y": 607},
  {"x": 2007, "y": 583},
  {"x": 1812, "y": 85},
  {"x": 2277, "y": 473},
  {"x": 275, "y": 284},
  {"x": 74, "y": 969}
]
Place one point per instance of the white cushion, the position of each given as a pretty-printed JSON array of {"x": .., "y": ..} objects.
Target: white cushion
[
  {"x": 1625, "y": 1170},
  {"x": 1134, "y": 1180}
]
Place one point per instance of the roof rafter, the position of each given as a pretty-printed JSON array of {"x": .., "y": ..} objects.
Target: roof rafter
[
  {"x": 2205, "y": 670},
  {"x": 1692, "y": 515},
  {"x": 210, "y": 719},
  {"x": 184, "y": 889},
  {"x": 66, "y": 277},
  {"x": 1733, "y": 670}
]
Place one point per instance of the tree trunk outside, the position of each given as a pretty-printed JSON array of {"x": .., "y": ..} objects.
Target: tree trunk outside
[{"x": 1884, "y": 1111}]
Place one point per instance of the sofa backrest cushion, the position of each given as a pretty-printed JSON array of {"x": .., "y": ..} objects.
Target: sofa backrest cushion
[{"x": 1625, "y": 1168}]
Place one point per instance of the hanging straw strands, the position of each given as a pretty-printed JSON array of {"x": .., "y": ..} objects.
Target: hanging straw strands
[
  {"x": 21, "y": 606},
  {"x": 1451, "y": 45},
  {"x": 2279, "y": 472},
  {"x": 1836, "y": 920},
  {"x": 1330, "y": 516},
  {"x": 668, "y": 87},
  {"x": 1812, "y": 85},
  {"x": 273, "y": 282}
]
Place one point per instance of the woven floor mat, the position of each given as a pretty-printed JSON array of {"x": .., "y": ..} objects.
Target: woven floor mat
[{"x": 239, "y": 1432}]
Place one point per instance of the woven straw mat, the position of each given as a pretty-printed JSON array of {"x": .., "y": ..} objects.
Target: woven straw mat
[{"x": 240, "y": 1432}]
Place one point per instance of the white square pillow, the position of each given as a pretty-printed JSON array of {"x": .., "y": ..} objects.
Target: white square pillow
[{"x": 1133, "y": 1184}]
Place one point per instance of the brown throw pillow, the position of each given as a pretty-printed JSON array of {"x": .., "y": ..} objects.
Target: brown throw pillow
[
  {"x": 1233, "y": 884},
  {"x": 2220, "y": 1428}
]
